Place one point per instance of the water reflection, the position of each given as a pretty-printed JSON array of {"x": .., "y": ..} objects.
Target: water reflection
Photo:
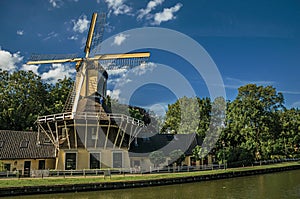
[{"x": 277, "y": 185}]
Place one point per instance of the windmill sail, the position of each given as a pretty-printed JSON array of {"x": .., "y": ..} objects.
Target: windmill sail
[{"x": 98, "y": 34}]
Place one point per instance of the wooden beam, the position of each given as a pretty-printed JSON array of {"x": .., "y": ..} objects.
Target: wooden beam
[
  {"x": 122, "y": 56},
  {"x": 85, "y": 133},
  {"x": 90, "y": 35},
  {"x": 40, "y": 126},
  {"x": 95, "y": 58},
  {"x": 67, "y": 134},
  {"x": 51, "y": 133},
  {"x": 116, "y": 139},
  {"x": 136, "y": 132},
  {"x": 130, "y": 136},
  {"x": 75, "y": 135},
  {"x": 97, "y": 130},
  {"x": 107, "y": 133},
  {"x": 124, "y": 131},
  {"x": 54, "y": 61},
  {"x": 56, "y": 131}
]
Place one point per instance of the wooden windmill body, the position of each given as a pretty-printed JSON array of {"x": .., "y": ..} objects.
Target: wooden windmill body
[{"x": 84, "y": 130}]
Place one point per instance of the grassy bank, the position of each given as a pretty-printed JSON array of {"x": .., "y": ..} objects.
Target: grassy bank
[{"x": 12, "y": 182}]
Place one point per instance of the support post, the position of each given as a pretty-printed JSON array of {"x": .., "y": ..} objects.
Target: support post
[
  {"x": 67, "y": 134},
  {"x": 116, "y": 139},
  {"x": 124, "y": 131},
  {"x": 107, "y": 133}
]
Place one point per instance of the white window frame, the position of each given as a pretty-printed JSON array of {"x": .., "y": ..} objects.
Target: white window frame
[
  {"x": 66, "y": 159},
  {"x": 91, "y": 152},
  {"x": 112, "y": 158}
]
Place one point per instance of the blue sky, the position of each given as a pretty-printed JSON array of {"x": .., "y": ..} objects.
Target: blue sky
[{"x": 249, "y": 41}]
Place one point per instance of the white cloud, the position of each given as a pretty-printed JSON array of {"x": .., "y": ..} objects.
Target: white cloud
[
  {"x": 118, "y": 7},
  {"x": 290, "y": 92},
  {"x": 114, "y": 94},
  {"x": 167, "y": 14},
  {"x": 74, "y": 37},
  {"x": 150, "y": 6},
  {"x": 81, "y": 24},
  {"x": 118, "y": 72},
  {"x": 119, "y": 39},
  {"x": 56, "y": 3},
  {"x": 9, "y": 61},
  {"x": 20, "y": 32},
  {"x": 58, "y": 71},
  {"x": 109, "y": 28},
  {"x": 125, "y": 75},
  {"x": 159, "y": 109},
  {"x": 33, "y": 68},
  {"x": 51, "y": 35},
  {"x": 233, "y": 83},
  {"x": 143, "y": 68},
  {"x": 296, "y": 105}
]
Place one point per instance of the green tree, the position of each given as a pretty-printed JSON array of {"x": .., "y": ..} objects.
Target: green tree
[
  {"x": 23, "y": 97},
  {"x": 58, "y": 94},
  {"x": 188, "y": 115},
  {"x": 288, "y": 141},
  {"x": 157, "y": 158},
  {"x": 251, "y": 122},
  {"x": 177, "y": 156},
  {"x": 199, "y": 153}
]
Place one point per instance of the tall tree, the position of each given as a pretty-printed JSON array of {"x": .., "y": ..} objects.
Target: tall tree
[
  {"x": 250, "y": 120},
  {"x": 58, "y": 94},
  {"x": 157, "y": 158},
  {"x": 23, "y": 98},
  {"x": 188, "y": 115}
]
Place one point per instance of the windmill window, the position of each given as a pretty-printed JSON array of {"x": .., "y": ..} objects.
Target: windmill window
[
  {"x": 24, "y": 144},
  {"x": 1, "y": 144},
  {"x": 94, "y": 134}
]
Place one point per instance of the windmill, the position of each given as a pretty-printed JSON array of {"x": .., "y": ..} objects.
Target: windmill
[
  {"x": 91, "y": 77},
  {"x": 84, "y": 119}
]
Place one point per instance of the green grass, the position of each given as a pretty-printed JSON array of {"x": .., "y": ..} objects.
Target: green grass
[{"x": 14, "y": 182}]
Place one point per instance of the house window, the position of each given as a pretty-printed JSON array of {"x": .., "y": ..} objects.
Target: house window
[
  {"x": 71, "y": 159},
  {"x": 136, "y": 163},
  {"x": 193, "y": 161},
  {"x": 1, "y": 144},
  {"x": 24, "y": 144},
  {"x": 42, "y": 164},
  {"x": 95, "y": 160},
  {"x": 6, "y": 167},
  {"x": 117, "y": 159},
  {"x": 94, "y": 135}
]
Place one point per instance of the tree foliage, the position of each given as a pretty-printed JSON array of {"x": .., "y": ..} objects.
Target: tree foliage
[
  {"x": 24, "y": 96},
  {"x": 157, "y": 158},
  {"x": 188, "y": 115},
  {"x": 177, "y": 156},
  {"x": 255, "y": 126}
]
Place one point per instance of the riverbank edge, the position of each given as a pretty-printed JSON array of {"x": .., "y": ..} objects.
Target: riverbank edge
[{"x": 48, "y": 189}]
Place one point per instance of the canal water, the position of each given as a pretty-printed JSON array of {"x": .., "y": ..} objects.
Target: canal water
[{"x": 273, "y": 186}]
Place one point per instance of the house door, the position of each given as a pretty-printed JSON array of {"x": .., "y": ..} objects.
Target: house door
[{"x": 27, "y": 165}]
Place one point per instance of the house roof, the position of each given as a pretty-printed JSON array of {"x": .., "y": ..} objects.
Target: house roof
[
  {"x": 24, "y": 145},
  {"x": 164, "y": 142}
]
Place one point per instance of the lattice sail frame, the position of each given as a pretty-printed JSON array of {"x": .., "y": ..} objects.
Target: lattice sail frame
[{"x": 107, "y": 61}]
